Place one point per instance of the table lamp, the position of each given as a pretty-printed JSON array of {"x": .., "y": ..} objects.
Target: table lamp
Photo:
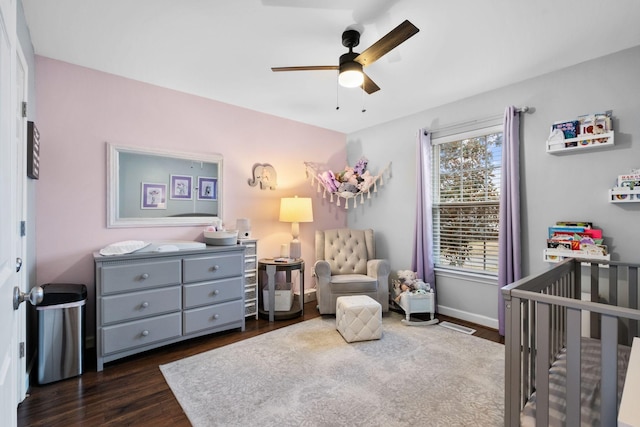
[{"x": 295, "y": 210}]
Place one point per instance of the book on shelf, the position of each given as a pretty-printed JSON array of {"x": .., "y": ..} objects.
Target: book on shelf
[
  {"x": 584, "y": 224},
  {"x": 576, "y": 236},
  {"x": 594, "y": 233}
]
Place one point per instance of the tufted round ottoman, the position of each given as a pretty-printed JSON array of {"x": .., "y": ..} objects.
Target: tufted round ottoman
[{"x": 358, "y": 318}]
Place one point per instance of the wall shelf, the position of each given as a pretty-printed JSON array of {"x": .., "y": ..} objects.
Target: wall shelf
[
  {"x": 624, "y": 195},
  {"x": 557, "y": 255},
  {"x": 582, "y": 142}
]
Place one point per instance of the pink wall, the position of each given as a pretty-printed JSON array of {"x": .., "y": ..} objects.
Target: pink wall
[{"x": 79, "y": 110}]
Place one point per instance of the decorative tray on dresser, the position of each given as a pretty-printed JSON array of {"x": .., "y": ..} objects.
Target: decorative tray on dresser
[{"x": 146, "y": 300}]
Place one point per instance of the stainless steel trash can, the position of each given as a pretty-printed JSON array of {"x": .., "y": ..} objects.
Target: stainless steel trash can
[{"x": 61, "y": 331}]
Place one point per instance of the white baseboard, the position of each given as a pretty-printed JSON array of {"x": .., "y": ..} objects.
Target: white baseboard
[{"x": 469, "y": 317}]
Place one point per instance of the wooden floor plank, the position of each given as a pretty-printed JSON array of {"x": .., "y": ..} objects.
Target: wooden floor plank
[{"x": 133, "y": 391}]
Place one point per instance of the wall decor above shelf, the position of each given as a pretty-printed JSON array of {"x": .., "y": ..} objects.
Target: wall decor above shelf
[
  {"x": 582, "y": 142},
  {"x": 352, "y": 183}
]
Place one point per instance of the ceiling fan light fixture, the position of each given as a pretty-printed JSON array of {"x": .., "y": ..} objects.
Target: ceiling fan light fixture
[
  {"x": 351, "y": 74},
  {"x": 350, "y": 67}
]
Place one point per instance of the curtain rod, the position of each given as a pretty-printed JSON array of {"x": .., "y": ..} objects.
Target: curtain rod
[{"x": 525, "y": 109}]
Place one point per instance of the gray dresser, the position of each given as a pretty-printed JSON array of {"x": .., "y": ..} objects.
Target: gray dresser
[{"x": 148, "y": 300}]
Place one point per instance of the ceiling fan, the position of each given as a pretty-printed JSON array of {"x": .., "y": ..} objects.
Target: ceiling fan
[{"x": 351, "y": 63}]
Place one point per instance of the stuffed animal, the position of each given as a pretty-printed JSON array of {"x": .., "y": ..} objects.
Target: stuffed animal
[
  {"x": 347, "y": 175},
  {"x": 329, "y": 180},
  {"x": 408, "y": 282},
  {"x": 365, "y": 183},
  {"x": 346, "y": 187},
  {"x": 407, "y": 279}
]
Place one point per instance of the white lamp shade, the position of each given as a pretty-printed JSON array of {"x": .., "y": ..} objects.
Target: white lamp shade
[{"x": 296, "y": 209}]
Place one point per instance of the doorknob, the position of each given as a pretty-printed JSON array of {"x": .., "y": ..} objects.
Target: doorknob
[{"x": 35, "y": 296}]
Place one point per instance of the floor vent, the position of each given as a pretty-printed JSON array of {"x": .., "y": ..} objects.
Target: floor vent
[{"x": 458, "y": 328}]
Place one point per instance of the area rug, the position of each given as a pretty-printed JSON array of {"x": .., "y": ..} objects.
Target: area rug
[{"x": 307, "y": 375}]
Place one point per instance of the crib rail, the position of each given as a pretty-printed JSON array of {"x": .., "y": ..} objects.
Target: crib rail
[{"x": 544, "y": 314}]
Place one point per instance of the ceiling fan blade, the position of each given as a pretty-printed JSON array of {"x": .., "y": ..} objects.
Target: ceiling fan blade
[
  {"x": 369, "y": 85},
  {"x": 394, "y": 38},
  {"x": 306, "y": 68}
]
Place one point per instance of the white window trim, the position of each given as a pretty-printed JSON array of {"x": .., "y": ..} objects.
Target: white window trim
[{"x": 467, "y": 135}]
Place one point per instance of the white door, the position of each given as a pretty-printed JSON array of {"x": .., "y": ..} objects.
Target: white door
[
  {"x": 9, "y": 318},
  {"x": 20, "y": 142}
]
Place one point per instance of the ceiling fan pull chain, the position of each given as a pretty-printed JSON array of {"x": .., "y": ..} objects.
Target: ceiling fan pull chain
[
  {"x": 362, "y": 95},
  {"x": 337, "y": 92}
]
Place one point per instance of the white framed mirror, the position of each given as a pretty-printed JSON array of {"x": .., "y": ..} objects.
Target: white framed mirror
[{"x": 152, "y": 188}]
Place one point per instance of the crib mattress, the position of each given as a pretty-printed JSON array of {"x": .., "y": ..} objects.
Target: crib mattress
[{"x": 590, "y": 386}]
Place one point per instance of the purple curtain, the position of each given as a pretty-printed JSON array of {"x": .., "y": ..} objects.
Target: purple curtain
[
  {"x": 509, "y": 266},
  {"x": 422, "y": 257}
]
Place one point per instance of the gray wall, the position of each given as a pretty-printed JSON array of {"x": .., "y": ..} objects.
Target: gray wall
[{"x": 554, "y": 187}]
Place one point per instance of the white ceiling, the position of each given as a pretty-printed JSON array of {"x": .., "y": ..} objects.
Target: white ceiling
[{"x": 224, "y": 50}]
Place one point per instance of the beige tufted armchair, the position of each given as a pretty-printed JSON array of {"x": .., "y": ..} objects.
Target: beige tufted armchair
[{"x": 346, "y": 265}]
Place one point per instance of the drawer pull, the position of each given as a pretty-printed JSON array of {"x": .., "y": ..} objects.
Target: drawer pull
[
  {"x": 145, "y": 333},
  {"x": 216, "y": 292},
  {"x": 144, "y": 304},
  {"x": 215, "y": 268},
  {"x": 145, "y": 276},
  {"x": 216, "y": 316}
]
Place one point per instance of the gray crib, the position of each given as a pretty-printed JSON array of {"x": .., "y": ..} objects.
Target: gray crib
[{"x": 567, "y": 337}]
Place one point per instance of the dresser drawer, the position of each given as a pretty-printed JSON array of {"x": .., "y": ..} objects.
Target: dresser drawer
[
  {"x": 140, "y": 332},
  {"x": 139, "y": 275},
  {"x": 213, "y": 316},
  {"x": 213, "y": 292},
  {"x": 200, "y": 269},
  {"x": 135, "y": 305}
]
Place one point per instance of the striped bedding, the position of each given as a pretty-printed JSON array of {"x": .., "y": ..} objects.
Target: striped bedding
[{"x": 590, "y": 386}]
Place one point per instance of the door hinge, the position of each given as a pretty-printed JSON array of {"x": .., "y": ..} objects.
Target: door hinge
[
  {"x": 21, "y": 350},
  {"x": 24, "y": 109},
  {"x": 23, "y": 228}
]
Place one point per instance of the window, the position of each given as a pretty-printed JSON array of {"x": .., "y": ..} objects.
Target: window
[{"x": 466, "y": 200}]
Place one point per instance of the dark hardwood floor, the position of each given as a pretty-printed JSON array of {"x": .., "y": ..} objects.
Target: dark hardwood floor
[{"x": 132, "y": 391}]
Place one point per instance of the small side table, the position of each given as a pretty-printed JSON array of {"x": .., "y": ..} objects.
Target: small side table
[{"x": 270, "y": 267}]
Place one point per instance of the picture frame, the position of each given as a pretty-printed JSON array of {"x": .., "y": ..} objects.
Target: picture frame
[
  {"x": 153, "y": 196},
  {"x": 207, "y": 188},
  {"x": 181, "y": 187}
]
